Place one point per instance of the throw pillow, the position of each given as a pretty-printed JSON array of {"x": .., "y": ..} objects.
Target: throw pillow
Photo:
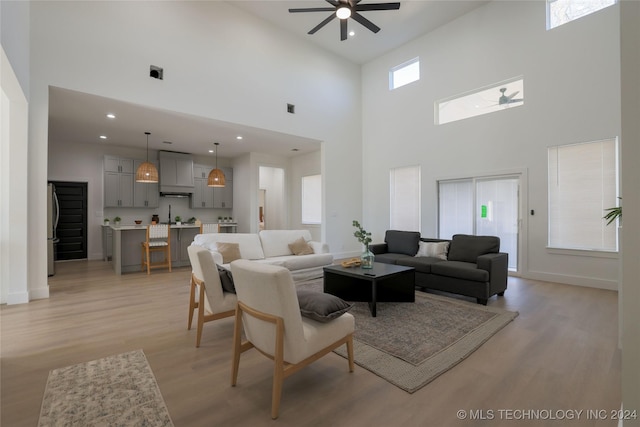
[
  {"x": 300, "y": 247},
  {"x": 433, "y": 249},
  {"x": 226, "y": 279},
  {"x": 229, "y": 251},
  {"x": 320, "y": 306}
]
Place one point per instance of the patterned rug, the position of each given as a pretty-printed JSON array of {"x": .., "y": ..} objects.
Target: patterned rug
[
  {"x": 411, "y": 344},
  {"x": 119, "y": 390}
]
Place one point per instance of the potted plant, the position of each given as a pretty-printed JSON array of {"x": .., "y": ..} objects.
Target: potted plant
[
  {"x": 226, "y": 219},
  {"x": 178, "y": 220},
  {"x": 117, "y": 220},
  {"x": 613, "y": 213},
  {"x": 106, "y": 221},
  {"x": 364, "y": 237},
  {"x": 219, "y": 219},
  {"x": 192, "y": 220}
]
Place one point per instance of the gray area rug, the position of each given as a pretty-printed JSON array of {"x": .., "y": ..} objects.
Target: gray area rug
[
  {"x": 118, "y": 390},
  {"x": 411, "y": 344}
]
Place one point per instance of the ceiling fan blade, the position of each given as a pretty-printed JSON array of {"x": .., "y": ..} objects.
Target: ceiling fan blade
[
  {"x": 333, "y": 2},
  {"x": 322, "y": 24},
  {"x": 513, "y": 94},
  {"x": 377, "y": 6},
  {"x": 313, "y": 9},
  {"x": 516, "y": 100},
  {"x": 343, "y": 29},
  {"x": 364, "y": 21}
]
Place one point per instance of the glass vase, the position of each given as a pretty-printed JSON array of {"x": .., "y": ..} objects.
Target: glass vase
[{"x": 367, "y": 258}]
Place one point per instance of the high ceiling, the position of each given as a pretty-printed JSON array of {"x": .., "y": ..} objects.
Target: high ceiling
[{"x": 80, "y": 117}]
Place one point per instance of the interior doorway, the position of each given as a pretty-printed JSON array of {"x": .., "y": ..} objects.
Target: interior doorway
[
  {"x": 271, "y": 184},
  {"x": 72, "y": 222},
  {"x": 262, "y": 218}
]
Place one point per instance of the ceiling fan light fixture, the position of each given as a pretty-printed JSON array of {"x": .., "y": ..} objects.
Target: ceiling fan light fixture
[
  {"x": 147, "y": 172},
  {"x": 216, "y": 177},
  {"x": 343, "y": 12}
]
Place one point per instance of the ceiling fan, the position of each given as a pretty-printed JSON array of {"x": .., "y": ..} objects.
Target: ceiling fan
[
  {"x": 345, "y": 9},
  {"x": 506, "y": 100}
]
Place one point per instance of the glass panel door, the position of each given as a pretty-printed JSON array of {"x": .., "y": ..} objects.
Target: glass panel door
[{"x": 497, "y": 213}]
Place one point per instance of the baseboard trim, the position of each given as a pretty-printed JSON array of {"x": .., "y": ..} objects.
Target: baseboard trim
[{"x": 587, "y": 282}]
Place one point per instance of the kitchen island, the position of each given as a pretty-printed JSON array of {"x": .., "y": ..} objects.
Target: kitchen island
[{"x": 126, "y": 240}]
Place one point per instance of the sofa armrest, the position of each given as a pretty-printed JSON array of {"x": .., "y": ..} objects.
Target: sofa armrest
[
  {"x": 319, "y": 247},
  {"x": 497, "y": 264},
  {"x": 378, "y": 248}
]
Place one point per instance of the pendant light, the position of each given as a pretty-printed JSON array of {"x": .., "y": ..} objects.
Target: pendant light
[
  {"x": 147, "y": 172},
  {"x": 216, "y": 176}
]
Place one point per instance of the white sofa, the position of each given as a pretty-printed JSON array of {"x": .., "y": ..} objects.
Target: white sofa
[{"x": 272, "y": 247}]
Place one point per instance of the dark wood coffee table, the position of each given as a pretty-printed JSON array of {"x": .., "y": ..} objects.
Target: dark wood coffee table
[{"x": 382, "y": 283}]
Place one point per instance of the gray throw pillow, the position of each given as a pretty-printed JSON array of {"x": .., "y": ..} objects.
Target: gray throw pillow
[
  {"x": 467, "y": 248},
  {"x": 402, "y": 242},
  {"x": 226, "y": 279},
  {"x": 320, "y": 306}
]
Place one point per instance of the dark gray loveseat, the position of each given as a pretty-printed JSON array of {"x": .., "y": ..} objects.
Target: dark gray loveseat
[{"x": 474, "y": 265}]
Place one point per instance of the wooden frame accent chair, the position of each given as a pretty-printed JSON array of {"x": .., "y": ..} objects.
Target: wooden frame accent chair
[
  {"x": 269, "y": 313},
  {"x": 206, "y": 293}
]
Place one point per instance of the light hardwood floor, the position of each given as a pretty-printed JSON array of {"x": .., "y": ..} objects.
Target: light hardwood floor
[{"x": 559, "y": 354}]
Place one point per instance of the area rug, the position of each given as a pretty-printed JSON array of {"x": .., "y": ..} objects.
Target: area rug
[
  {"x": 118, "y": 390},
  {"x": 411, "y": 344}
]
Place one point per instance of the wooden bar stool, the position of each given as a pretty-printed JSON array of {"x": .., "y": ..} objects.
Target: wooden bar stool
[
  {"x": 209, "y": 228},
  {"x": 158, "y": 240}
]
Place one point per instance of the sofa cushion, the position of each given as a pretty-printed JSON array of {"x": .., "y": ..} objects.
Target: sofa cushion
[
  {"x": 229, "y": 251},
  {"x": 250, "y": 247},
  {"x": 433, "y": 249},
  {"x": 421, "y": 264},
  {"x": 468, "y": 248},
  {"x": 300, "y": 247},
  {"x": 402, "y": 242},
  {"x": 460, "y": 270},
  {"x": 276, "y": 242},
  {"x": 320, "y": 306},
  {"x": 293, "y": 262},
  {"x": 390, "y": 258}
]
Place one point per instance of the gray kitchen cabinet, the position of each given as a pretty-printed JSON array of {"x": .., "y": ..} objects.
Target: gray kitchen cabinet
[
  {"x": 118, "y": 190},
  {"x": 145, "y": 195},
  {"x": 202, "y": 196},
  {"x": 118, "y": 164},
  {"x": 223, "y": 197}
]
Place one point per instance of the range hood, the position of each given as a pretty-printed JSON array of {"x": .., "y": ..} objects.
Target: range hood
[{"x": 176, "y": 174}]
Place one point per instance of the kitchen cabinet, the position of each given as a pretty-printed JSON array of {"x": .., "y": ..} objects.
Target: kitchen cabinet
[
  {"x": 145, "y": 195},
  {"x": 202, "y": 196},
  {"x": 223, "y": 197},
  {"x": 118, "y": 164},
  {"x": 118, "y": 182}
]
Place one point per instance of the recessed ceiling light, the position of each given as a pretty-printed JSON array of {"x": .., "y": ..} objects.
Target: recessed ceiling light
[
  {"x": 103, "y": 136},
  {"x": 211, "y": 151},
  {"x": 239, "y": 137},
  {"x": 167, "y": 142},
  {"x": 352, "y": 33},
  {"x": 111, "y": 116}
]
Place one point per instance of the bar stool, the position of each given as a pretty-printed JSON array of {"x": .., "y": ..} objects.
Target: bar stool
[
  {"x": 158, "y": 240},
  {"x": 209, "y": 228}
]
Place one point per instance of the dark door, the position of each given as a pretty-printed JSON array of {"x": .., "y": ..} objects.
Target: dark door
[{"x": 72, "y": 225}]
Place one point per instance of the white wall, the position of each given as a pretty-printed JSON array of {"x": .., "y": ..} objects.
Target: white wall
[
  {"x": 571, "y": 85},
  {"x": 304, "y": 165},
  {"x": 13, "y": 189},
  {"x": 630, "y": 141},
  {"x": 105, "y": 48}
]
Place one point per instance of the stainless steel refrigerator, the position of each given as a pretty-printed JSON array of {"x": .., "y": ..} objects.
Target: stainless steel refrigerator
[{"x": 53, "y": 214}]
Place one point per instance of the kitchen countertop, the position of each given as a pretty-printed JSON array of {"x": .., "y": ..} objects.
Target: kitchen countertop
[{"x": 143, "y": 226}]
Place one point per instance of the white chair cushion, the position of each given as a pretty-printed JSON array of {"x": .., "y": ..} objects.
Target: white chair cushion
[{"x": 157, "y": 243}]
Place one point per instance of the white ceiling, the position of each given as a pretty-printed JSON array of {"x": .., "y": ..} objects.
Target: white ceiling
[{"x": 79, "y": 117}]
